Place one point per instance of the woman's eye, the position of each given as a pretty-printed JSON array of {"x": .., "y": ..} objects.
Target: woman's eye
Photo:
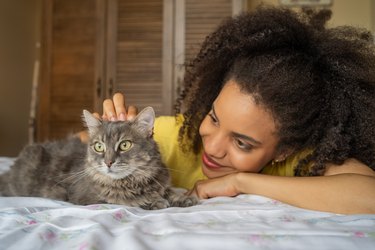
[
  {"x": 213, "y": 118},
  {"x": 243, "y": 145},
  {"x": 125, "y": 145},
  {"x": 99, "y": 147}
]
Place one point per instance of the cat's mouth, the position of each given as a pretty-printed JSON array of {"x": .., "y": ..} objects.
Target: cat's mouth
[{"x": 115, "y": 173}]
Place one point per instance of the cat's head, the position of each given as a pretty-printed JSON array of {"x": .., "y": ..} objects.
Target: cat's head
[{"x": 122, "y": 148}]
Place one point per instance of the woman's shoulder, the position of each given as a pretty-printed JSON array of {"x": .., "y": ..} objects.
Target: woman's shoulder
[
  {"x": 166, "y": 131},
  {"x": 184, "y": 166},
  {"x": 165, "y": 125},
  {"x": 169, "y": 119}
]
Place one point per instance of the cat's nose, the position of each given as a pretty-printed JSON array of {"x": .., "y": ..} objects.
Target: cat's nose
[{"x": 109, "y": 164}]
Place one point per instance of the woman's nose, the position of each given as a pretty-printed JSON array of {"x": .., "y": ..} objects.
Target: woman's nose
[{"x": 214, "y": 146}]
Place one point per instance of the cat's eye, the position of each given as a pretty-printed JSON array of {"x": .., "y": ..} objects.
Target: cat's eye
[
  {"x": 99, "y": 147},
  {"x": 125, "y": 145}
]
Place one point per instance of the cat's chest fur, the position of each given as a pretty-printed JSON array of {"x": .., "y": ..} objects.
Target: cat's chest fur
[{"x": 131, "y": 190}]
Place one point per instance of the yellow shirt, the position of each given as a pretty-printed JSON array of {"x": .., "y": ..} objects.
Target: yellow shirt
[
  {"x": 186, "y": 168},
  {"x": 286, "y": 167}
]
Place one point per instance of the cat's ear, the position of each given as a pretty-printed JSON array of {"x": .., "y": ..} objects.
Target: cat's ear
[
  {"x": 145, "y": 120},
  {"x": 91, "y": 122}
]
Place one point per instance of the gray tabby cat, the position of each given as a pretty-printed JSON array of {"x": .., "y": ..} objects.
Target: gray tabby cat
[{"x": 121, "y": 164}]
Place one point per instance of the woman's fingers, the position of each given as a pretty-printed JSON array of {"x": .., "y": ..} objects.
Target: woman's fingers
[
  {"x": 109, "y": 112},
  {"x": 97, "y": 116},
  {"x": 115, "y": 109},
  {"x": 132, "y": 112},
  {"x": 119, "y": 105}
]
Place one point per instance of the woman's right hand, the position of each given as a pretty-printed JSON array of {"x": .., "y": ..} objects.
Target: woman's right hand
[{"x": 115, "y": 109}]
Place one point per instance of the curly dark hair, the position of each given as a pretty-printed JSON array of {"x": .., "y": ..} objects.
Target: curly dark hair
[{"x": 317, "y": 82}]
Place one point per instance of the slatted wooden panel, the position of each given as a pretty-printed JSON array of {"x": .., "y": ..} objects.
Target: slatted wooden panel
[
  {"x": 68, "y": 67},
  {"x": 202, "y": 17},
  {"x": 139, "y": 52}
]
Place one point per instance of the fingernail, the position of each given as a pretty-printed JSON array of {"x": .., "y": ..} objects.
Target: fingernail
[
  {"x": 113, "y": 118},
  {"x": 122, "y": 117}
]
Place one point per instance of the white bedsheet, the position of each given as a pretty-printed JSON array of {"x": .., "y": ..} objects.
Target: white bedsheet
[{"x": 243, "y": 222}]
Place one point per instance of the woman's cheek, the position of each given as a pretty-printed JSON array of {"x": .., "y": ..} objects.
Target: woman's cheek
[{"x": 247, "y": 163}]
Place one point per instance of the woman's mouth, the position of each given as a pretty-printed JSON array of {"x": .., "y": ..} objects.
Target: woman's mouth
[{"x": 208, "y": 162}]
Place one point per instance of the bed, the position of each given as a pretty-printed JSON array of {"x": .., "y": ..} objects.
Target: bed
[{"x": 242, "y": 222}]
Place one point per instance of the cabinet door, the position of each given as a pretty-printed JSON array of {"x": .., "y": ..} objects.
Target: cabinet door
[
  {"x": 67, "y": 69},
  {"x": 135, "y": 52}
]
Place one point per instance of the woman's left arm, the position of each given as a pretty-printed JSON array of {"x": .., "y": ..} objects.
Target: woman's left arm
[{"x": 347, "y": 189}]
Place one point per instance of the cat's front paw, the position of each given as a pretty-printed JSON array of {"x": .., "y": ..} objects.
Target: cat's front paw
[
  {"x": 158, "y": 204},
  {"x": 178, "y": 198},
  {"x": 187, "y": 201},
  {"x": 184, "y": 201}
]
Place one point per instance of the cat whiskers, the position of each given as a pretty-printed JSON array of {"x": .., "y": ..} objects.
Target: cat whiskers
[{"x": 76, "y": 176}]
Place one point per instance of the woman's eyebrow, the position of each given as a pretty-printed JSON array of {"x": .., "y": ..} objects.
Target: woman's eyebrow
[{"x": 238, "y": 135}]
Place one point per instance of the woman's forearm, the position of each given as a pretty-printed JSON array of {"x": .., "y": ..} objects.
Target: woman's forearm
[{"x": 342, "y": 193}]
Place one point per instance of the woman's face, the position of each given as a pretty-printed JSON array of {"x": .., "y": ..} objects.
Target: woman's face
[{"x": 237, "y": 134}]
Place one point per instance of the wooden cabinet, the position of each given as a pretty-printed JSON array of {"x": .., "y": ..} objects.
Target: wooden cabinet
[
  {"x": 67, "y": 69},
  {"x": 133, "y": 52},
  {"x": 94, "y": 48}
]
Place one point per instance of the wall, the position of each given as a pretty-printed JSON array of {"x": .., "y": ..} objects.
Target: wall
[
  {"x": 356, "y": 13},
  {"x": 345, "y": 12},
  {"x": 19, "y": 29}
]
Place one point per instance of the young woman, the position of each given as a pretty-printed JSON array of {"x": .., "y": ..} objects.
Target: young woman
[{"x": 275, "y": 104}]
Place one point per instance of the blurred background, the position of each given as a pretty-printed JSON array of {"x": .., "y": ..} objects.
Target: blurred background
[{"x": 58, "y": 57}]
